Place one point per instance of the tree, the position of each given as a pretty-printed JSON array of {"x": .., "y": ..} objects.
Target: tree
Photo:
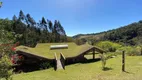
[
  {"x": 28, "y": 32},
  {"x": 50, "y": 25},
  {"x": 6, "y": 24},
  {"x": 0, "y": 4},
  {"x": 62, "y": 32},
  {"x": 91, "y": 41},
  {"x": 59, "y": 32},
  {"x": 44, "y": 27},
  {"x": 79, "y": 41},
  {"x": 103, "y": 58},
  {"x": 43, "y": 24},
  {"x": 21, "y": 16},
  {"x": 30, "y": 20},
  {"x": 14, "y": 18}
]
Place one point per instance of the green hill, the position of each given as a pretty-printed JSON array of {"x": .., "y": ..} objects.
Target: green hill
[{"x": 130, "y": 34}]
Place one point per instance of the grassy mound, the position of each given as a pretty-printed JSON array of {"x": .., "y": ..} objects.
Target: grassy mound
[{"x": 43, "y": 49}]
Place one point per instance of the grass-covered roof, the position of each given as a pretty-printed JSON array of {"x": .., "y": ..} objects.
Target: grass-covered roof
[{"x": 43, "y": 50}]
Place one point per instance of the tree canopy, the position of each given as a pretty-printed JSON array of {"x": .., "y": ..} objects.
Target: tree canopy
[{"x": 27, "y": 31}]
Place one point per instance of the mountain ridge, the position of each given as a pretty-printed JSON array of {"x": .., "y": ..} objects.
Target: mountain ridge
[{"x": 130, "y": 34}]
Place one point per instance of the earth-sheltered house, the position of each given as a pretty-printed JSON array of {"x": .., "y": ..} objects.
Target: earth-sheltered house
[{"x": 58, "y": 54}]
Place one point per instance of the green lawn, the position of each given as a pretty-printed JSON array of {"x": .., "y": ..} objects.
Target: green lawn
[
  {"x": 43, "y": 49},
  {"x": 90, "y": 71}
]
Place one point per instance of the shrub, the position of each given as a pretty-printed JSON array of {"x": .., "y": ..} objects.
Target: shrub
[
  {"x": 5, "y": 68},
  {"x": 108, "y": 46},
  {"x": 130, "y": 50},
  {"x": 5, "y": 52},
  {"x": 5, "y": 62},
  {"x": 17, "y": 59},
  {"x": 45, "y": 65},
  {"x": 79, "y": 41}
]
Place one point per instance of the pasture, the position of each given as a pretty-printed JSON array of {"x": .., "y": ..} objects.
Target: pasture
[{"x": 90, "y": 71}]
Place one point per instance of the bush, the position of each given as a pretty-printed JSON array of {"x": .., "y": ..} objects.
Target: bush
[
  {"x": 108, "y": 46},
  {"x": 45, "y": 65},
  {"x": 5, "y": 62},
  {"x": 79, "y": 41},
  {"x": 130, "y": 50},
  {"x": 5, "y": 68},
  {"x": 5, "y": 53}
]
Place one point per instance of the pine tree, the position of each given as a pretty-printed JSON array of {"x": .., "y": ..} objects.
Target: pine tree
[
  {"x": 44, "y": 27},
  {"x": 21, "y": 16},
  {"x": 62, "y": 32},
  {"x": 30, "y": 20},
  {"x": 14, "y": 18},
  {"x": 50, "y": 27},
  {"x": 55, "y": 32}
]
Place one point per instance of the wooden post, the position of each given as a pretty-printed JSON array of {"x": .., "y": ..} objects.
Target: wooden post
[
  {"x": 93, "y": 53},
  {"x": 123, "y": 61}
]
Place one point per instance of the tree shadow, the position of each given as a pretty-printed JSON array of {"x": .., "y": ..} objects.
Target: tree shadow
[
  {"x": 85, "y": 61},
  {"x": 90, "y": 60},
  {"x": 128, "y": 72},
  {"x": 107, "y": 69}
]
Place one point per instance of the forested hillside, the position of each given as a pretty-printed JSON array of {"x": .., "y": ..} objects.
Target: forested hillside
[
  {"x": 25, "y": 30},
  {"x": 128, "y": 35}
]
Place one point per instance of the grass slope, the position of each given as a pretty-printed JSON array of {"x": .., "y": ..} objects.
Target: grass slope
[
  {"x": 43, "y": 49},
  {"x": 90, "y": 71}
]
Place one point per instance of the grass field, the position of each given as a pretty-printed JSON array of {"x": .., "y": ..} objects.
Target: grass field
[
  {"x": 43, "y": 49},
  {"x": 90, "y": 71}
]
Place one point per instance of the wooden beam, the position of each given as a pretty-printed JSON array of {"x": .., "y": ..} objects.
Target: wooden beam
[
  {"x": 93, "y": 53},
  {"x": 62, "y": 59}
]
